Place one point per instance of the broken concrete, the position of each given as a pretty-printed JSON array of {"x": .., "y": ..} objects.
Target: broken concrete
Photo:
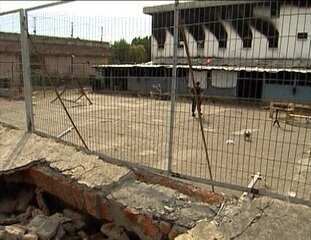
[
  {"x": 113, "y": 194},
  {"x": 150, "y": 211},
  {"x": 133, "y": 202},
  {"x": 47, "y": 227},
  {"x": 262, "y": 218}
]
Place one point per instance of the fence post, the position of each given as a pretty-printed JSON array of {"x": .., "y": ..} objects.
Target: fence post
[
  {"x": 173, "y": 89},
  {"x": 26, "y": 69}
]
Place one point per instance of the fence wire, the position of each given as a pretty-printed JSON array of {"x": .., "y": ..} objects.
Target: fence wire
[
  {"x": 114, "y": 76},
  {"x": 12, "y": 106}
]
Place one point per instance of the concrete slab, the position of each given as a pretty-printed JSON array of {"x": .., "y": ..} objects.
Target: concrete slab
[
  {"x": 164, "y": 203},
  {"x": 266, "y": 218},
  {"x": 88, "y": 169},
  {"x": 263, "y": 218},
  {"x": 155, "y": 209},
  {"x": 148, "y": 209}
]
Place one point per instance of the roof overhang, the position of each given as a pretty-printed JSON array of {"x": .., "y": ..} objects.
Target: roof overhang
[
  {"x": 210, "y": 67},
  {"x": 193, "y": 4}
]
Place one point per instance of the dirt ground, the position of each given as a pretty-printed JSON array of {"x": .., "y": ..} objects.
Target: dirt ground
[
  {"x": 262, "y": 218},
  {"x": 136, "y": 129}
]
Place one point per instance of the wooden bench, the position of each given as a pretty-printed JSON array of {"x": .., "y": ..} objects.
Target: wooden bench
[{"x": 291, "y": 110}]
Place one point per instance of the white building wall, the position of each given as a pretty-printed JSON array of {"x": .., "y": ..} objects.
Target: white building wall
[
  {"x": 169, "y": 47},
  {"x": 234, "y": 43},
  {"x": 211, "y": 46},
  {"x": 291, "y": 21},
  {"x": 224, "y": 79},
  {"x": 167, "y": 51}
]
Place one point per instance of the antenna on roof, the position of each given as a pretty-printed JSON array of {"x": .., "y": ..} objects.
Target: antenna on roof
[
  {"x": 71, "y": 29},
  {"x": 101, "y": 33},
  {"x": 34, "y": 25}
]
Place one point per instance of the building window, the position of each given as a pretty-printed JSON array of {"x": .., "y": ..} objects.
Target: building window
[
  {"x": 302, "y": 35},
  {"x": 275, "y": 9},
  {"x": 247, "y": 43},
  {"x": 222, "y": 44},
  {"x": 273, "y": 42}
]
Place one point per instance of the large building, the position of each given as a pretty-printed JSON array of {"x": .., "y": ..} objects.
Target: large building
[
  {"x": 59, "y": 57},
  {"x": 246, "y": 49}
]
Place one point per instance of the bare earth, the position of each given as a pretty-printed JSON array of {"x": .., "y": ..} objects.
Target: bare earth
[{"x": 136, "y": 129}]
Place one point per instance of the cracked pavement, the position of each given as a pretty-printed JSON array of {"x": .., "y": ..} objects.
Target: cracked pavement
[{"x": 261, "y": 219}]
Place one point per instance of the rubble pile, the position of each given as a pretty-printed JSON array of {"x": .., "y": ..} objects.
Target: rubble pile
[{"x": 27, "y": 213}]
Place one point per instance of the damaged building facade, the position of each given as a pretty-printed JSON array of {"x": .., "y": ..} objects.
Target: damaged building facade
[
  {"x": 60, "y": 57},
  {"x": 243, "y": 49}
]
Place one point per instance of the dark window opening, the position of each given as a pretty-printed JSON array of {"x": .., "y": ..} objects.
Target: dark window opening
[
  {"x": 198, "y": 34},
  {"x": 273, "y": 41},
  {"x": 160, "y": 23},
  {"x": 302, "y": 35},
  {"x": 222, "y": 43},
  {"x": 160, "y": 36},
  {"x": 268, "y": 29},
  {"x": 250, "y": 84},
  {"x": 219, "y": 31},
  {"x": 275, "y": 9}
]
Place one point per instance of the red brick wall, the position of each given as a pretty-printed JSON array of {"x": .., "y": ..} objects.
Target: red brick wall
[{"x": 56, "y": 53}]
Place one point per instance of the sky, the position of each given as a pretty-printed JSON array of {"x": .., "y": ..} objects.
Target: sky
[
  {"x": 93, "y": 20},
  {"x": 86, "y": 8}
]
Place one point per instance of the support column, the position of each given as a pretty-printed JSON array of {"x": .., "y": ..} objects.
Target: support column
[
  {"x": 173, "y": 90},
  {"x": 26, "y": 69}
]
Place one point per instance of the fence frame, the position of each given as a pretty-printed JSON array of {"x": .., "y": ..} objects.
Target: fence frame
[
  {"x": 25, "y": 52},
  {"x": 26, "y": 70},
  {"x": 173, "y": 90}
]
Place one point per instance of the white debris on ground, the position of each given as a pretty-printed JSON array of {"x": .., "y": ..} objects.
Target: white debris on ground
[
  {"x": 243, "y": 131},
  {"x": 230, "y": 142}
]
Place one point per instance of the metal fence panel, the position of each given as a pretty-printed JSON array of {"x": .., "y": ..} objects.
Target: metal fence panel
[
  {"x": 105, "y": 84},
  {"x": 254, "y": 73},
  {"x": 12, "y": 105},
  {"x": 108, "y": 110}
]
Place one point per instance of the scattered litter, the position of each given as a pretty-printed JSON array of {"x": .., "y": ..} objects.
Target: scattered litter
[
  {"x": 212, "y": 130},
  {"x": 65, "y": 132},
  {"x": 147, "y": 152},
  {"x": 230, "y": 141},
  {"x": 292, "y": 194},
  {"x": 243, "y": 131}
]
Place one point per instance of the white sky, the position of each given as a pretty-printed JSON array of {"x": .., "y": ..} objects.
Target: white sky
[
  {"x": 93, "y": 20},
  {"x": 88, "y": 8}
]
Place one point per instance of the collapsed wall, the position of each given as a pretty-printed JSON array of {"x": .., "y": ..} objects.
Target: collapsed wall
[{"x": 48, "y": 199}]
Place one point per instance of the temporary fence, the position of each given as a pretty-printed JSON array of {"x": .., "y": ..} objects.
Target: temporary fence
[
  {"x": 12, "y": 105},
  {"x": 123, "y": 88}
]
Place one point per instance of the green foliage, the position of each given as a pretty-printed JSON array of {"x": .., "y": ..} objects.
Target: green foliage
[{"x": 139, "y": 51}]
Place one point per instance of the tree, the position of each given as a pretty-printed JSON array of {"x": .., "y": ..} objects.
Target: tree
[
  {"x": 139, "y": 51},
  {"x": 137, "y": 54},
  {"x": 146, "y": 42},
  {"x": 120, "y": 52}
]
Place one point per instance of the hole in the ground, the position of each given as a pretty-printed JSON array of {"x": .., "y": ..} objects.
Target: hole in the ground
[
  {"x": 132, "y": 235},
  {"x": 19, "y": 204},
  {"x": 28, "y": 209}
]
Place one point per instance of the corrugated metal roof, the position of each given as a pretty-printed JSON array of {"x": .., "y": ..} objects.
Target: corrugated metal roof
[
  {"x": 193, "y": 4},
  {"x": 202, "y": 68}
]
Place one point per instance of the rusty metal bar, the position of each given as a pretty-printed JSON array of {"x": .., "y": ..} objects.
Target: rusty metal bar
[
  {"x": 197, "y": 102},
  {"x": 59, "y": 98}
]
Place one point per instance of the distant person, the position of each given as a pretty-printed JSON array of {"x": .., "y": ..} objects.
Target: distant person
[{"x": 197, "y": 89}]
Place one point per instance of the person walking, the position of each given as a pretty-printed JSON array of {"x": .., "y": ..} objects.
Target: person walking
[{"x": 196, "y": 90}]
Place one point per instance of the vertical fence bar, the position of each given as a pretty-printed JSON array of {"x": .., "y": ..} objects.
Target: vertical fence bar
[
  {"x": 26, "y": 69},
  {"x": 173, "y": 89}
]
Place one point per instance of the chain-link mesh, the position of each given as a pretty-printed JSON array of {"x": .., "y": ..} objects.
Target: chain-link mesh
[
  {"x": 105, "y": 84},
  {"x": 12, "y": 106}
]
